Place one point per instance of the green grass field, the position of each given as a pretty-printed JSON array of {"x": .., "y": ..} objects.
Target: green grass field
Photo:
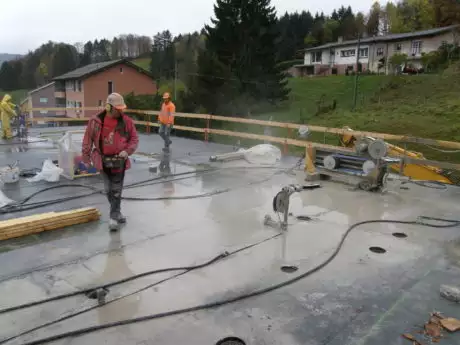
[
  {"x": 420, "y": 105},
  {"x": 143, "y": 63}
]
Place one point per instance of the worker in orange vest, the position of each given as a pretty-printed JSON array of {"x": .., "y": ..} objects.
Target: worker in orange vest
[{"x": 166, "y": 118}]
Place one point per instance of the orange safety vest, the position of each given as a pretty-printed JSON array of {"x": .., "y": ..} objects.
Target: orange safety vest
[{"x": 166, "y": 116}]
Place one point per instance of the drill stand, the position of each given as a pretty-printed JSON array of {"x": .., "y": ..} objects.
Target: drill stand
[{"x": 281, "y": 205}]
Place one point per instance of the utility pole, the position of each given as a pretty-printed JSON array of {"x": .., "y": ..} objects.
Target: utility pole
[{"x": 355, "y": 90}]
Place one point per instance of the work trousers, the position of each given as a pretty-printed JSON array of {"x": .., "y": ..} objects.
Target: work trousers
[
  {"x": 165, "y": 132},
  {"x": 113, "y": 185}
]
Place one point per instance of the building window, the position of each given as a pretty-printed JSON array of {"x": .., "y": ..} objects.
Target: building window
[
  {"x": 43, "y": 100},
  {"x": 78, "y": 104},
  {"x": 43, "y": 111},
  {"x": 78, "y": 85},
  {"x": 364, "y": 52},
  {"x": 379, "y": 51},
  {"x": 110, "y": 86},
  {"x": 100, "y": 103},
  {"x": 316, "y": 57},
  {"x": 398, "y": 47},
  {"x": 348, "y": 53},
  {"x": 416, "y": 47}
]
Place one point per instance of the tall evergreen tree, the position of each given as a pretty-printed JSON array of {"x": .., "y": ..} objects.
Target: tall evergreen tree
[
  {"x": 65, "y": 59},
  {"x": 373, "y": 21},
  {"x": 243, "y": 42},
  {"x": 9, "y": 76},
  {"x": 87, "y": 57}
]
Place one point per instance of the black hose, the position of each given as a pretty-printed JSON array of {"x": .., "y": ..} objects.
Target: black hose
[
  {"x": 259, "y": 292},
  {"x": 21, "y": 207},
  {"x": 105, "y": 286},
  {"x": 63, "y": 318}
]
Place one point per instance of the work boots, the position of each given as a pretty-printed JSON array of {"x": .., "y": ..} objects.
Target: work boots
[{"x": 115, "y": 221}]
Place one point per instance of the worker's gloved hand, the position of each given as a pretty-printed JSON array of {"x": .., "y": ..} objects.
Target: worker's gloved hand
[{"x": 123, "y": 154}]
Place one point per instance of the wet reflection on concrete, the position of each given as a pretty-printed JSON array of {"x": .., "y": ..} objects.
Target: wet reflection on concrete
[{"x": 116, "y": 267}]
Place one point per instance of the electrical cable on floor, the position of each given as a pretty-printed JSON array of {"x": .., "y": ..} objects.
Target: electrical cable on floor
[
  {"x": 82, "y": 331},
  {"x": 121, "y": 281},
  {"x": 20, "y": 206}
]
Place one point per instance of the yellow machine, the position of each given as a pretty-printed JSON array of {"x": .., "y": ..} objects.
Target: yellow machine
[
  {"x": 7, "y": 113},
  {"x": 414, "y": 171}
]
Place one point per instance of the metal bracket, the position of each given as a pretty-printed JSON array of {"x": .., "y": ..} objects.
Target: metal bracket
[{"x": 281, "y": 204}]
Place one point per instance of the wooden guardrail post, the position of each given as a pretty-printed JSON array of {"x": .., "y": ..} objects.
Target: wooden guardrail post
[
  {"x": 208, "y": 126},
  {"x": 310, "y": 158}
]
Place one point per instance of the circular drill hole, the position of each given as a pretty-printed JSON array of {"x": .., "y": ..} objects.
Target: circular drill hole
[
  {"x": 96, "y": 294},
  {"x": 399, "y": 234},
  {"x": 378, "y": 250},
  {"x": 304, "y": 218},
  {"x": 289, "y": 269},
  {"x": 231, "y": 341}
]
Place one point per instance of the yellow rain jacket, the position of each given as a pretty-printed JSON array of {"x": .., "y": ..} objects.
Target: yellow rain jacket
[{"x": 6, "y": 114}]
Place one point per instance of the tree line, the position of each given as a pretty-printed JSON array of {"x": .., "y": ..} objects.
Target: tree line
[
  {"x": 233, "y": 64},
  {"x": 52, "y": 59}
]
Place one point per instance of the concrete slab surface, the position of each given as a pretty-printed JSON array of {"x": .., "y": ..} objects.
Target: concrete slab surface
[{"x": 361, "y": 297}]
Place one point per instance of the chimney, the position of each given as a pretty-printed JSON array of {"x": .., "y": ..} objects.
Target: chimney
[{"x": 340, "y": 40}]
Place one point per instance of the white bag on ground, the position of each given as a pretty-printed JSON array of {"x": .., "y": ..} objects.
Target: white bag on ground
[
  {"x": 264, "y": 154},
  {"x": 4, "y": 200},
  {"x": 50, "y": 173}
]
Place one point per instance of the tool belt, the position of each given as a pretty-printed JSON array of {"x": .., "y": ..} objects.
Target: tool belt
[{"x": 113, "y": 162}]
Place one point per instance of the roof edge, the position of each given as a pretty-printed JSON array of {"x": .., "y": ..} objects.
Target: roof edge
[
  {"x": 386, "y": 38},
  {"x": 40, "y": 88},
  {"x": 124, "y": 61}
]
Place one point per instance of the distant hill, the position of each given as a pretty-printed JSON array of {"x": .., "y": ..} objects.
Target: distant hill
[{"x": 8, "y": 57}]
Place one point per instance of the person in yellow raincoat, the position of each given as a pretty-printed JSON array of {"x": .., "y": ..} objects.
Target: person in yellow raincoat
[{"x": 6, "y": 113}]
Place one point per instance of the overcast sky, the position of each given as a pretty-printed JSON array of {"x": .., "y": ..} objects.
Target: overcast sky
[{"x": 29, "y": 23}]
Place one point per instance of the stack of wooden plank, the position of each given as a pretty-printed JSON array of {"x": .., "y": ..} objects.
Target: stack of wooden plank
[{"x": 46, "y": 221}]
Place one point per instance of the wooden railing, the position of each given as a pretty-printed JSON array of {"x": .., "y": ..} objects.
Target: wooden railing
[{"x": 308, "y": 145}]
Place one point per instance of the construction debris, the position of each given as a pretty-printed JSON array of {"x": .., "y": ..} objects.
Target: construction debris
[
  {"x": 410, "y": 337},
  {"x": 46, "y": 221},
  {"x": 432, "y": 330},
  {"x": 451, "y": 324},
  {"x": 451, "y": 293}
]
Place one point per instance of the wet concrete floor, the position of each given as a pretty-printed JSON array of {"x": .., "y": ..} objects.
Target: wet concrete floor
[{"x": 361, "y": 297}]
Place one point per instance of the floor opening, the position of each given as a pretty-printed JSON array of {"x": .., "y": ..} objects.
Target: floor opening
[
  {"x": 289, "y": 269},
  {"x": 231, "y": 341},
  {"x": 378, "y": 250},
  {"x": 97, "y": 293},
  {"x": 399, "y": 234}
]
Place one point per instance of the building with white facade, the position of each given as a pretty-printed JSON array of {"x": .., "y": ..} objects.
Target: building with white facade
[{"x": 375, "y": 52}]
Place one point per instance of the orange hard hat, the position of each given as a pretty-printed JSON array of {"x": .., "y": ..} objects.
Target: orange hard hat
[{"x": 166, "y": 95}]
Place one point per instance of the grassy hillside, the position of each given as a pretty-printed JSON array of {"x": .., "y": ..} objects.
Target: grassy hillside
[
  {"x": 424, "y": 105},
  {"x": 143, "y": 63}
]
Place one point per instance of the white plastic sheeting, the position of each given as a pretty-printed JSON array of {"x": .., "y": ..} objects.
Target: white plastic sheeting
[
  {"x": 69, "y": 148},
  {"x": 263, "y": 154},
  {"x": 49, "y": 173},
  {"x": 4, "y": 200}
]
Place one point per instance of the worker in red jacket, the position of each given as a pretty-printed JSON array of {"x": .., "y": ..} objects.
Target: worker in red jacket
[{"x": 109, "y": 139}]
